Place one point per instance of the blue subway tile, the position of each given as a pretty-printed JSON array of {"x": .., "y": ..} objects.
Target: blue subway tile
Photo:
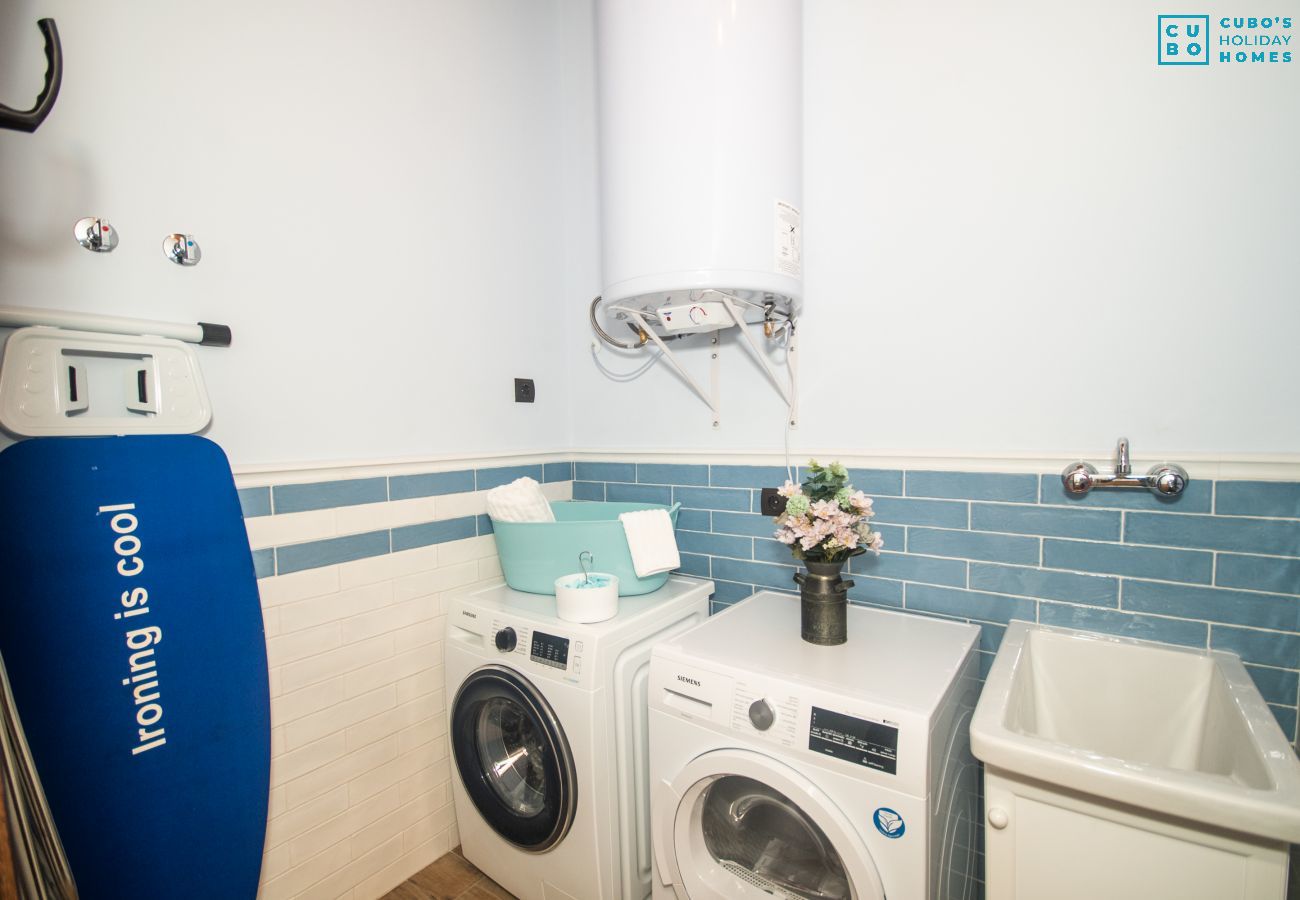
[
  {"x": 1258, "y": 573},
  {"x": 973, "y": 545},
  {"x": 911, "y": 567},
  {"x": 1286, "y": 720},
  {"x": 969, "y": 604},
  {"x": 1109, "y": 621},
  {"x": 410, "y": 536},
  {"x": 669, "y": 473},
  {"x": 937, "y": 513},
  {"x": 1267, "y": 648},
  {"x": 712, "y": 498},
  {"x": 1257, "y": 498},
  {"x": 589, "y": 490},
  {"x": 1274, "y": 536},
  {"x": 878, "y": 482},
  {"x": 1140, "y": 562},
  {"x": 769, "y": 550},
  {"x": 264, "y": 563},
  {"x": 973, "y": 486},
  {"x": 694, "y": 564},
  {"x": 1094, "y": 590},
  {"x": 329, "y": 494},
  {"x": 715, "y": 544},
  {"x": 557, "y": 471},
  {"x": 314, "y": 554},
  {"x": 1275, "y": 685},
  {"x": 728, "y": 592},
  {"x": 1196, "y": 498},
  {"x": 747, "y": 476},
  {"x": 619, "y": 492},
  {"x": 484, "y": 479},
  {"x": 756, "y": 573},
  {"x": 254, "y": 502},
  {"x": 1274, "y": 611},
  {"x": 483, "y": 524},
  {"x": 991, "y": 637},
  {"x": 694, "y": 520},
  {"x": 877, "y": 591},
  {"x": 1093, "y": 524},
  {"x": 407, "y": 487},
  {"x": 605, "y": 471},
  {"x": 752, "y": 524}
]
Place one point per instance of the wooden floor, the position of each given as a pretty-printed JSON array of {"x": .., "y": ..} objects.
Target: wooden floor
[{"x": 450, "y": 877}]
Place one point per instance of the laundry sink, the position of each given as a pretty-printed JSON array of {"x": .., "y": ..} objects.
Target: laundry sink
[{"x": 1122, "y": 744}]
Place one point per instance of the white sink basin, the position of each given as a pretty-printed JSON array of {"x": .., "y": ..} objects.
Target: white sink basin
[{"x": 1178, "y": 732}]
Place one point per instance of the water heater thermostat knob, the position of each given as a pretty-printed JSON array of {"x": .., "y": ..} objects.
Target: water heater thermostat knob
[
  {"x": 506, "y": 640},
  {"x": 760, "y": 713}
]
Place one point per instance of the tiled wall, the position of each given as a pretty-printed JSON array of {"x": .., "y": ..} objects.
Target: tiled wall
[
  {"x": 352, "y": 573},
  {"x": 1219, "y": 567}
]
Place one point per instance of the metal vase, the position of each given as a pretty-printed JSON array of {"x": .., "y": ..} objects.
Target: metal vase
[{"x": 824, "y": 603}]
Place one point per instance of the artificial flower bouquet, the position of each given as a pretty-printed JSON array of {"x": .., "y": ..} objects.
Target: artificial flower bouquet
[{"x": 825, "y": 519}]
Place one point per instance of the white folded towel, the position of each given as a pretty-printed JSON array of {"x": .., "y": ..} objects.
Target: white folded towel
[
  {"x": 521, "y": 500},
  {"x": 652, "y": 542}
]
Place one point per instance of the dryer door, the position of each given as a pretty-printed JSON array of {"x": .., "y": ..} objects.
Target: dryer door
[
  {"x": 735, "y": 823},
  {"x": 513, "y": 758}
]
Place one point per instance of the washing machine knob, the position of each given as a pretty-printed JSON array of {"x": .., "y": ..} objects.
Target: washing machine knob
[
  {"x": 760, "y": 713},
  {"x": 506, "y": 640}
]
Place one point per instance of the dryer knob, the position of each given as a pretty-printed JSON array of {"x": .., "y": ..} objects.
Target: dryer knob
[
  {"x": 760, "y": 713},
  {"x": 506, "y": 640}
]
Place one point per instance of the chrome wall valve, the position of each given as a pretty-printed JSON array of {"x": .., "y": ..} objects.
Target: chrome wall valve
[
  {"x": 1165, "y": 480},
  {"x": 182, "y": 249},
  {"x": 95, "y": 234}
]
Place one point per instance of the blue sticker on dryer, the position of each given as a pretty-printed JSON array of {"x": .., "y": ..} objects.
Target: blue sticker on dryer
[{"x": 888, "y": 822}]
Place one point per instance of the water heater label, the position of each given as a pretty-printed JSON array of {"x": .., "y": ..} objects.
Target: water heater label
[{"x": 788, "y": 258}]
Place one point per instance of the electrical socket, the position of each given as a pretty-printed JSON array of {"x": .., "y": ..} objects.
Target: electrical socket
[
  {"x": 525, "y": 392},
  {"x": 771, "y": 503}
]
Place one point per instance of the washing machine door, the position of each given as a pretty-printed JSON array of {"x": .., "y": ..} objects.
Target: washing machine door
[
  {"x": 735, "y": 823},
  {"x": 513, "y": 759}
]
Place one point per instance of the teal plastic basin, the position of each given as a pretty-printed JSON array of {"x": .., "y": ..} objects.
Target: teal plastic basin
[{"x": 534, "y": 554}]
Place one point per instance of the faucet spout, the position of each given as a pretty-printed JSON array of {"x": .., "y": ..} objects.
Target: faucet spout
[{"x": 1123, "y": 466}]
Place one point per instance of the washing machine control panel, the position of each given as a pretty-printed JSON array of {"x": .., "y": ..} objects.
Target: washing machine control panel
[
  {"x": 547, "y": 651},
  {"x": 756, "y": 708}
]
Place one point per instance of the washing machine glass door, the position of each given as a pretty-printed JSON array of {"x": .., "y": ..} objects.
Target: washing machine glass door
[
  {"x": 746, "y": 825},
  {"x": 513, "y": 758}
]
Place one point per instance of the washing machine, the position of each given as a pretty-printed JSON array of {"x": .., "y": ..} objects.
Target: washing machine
[
  {"x": 783, "y": 769},
  {"x": 547, "y": 728}
]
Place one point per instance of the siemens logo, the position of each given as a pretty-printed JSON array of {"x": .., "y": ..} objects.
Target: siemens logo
[{"x": 685, "y": 680}]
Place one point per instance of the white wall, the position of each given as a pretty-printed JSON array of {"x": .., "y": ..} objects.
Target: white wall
[
  {"x": 372, "y": 186},
  {"x": 1022, "y": 237}
]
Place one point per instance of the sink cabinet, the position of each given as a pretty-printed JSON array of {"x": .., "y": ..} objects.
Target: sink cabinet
[{"x": 1064, "y": 845}]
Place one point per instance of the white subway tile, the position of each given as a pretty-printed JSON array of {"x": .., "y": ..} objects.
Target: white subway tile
[
  {"x": 433, "y": 780},
  {"x": 454, "y": 506},
  {"x": 391, "y": 773},
  {"x": 421, "y": 683},
  {"x": 273, "y": 677},
  {"x": 333, "y": 607},
  {"x": 420, "y": 733},
  {"x": 420, "y": 584},
  {"x": 290, "y": 765},
  {"x": 339, "y": 717},
  {"x": 388, "y": 722},
  {"x": 336, "y": 662},
  {"x": 389, "y": 618},
  {"x": 489, "y": 568},
  {"x": 339, "y": 772},
  {"x": 413, "y": 511},
  {"x": 271, "y": 621},
  {"x": 393, "y": 874},
  {"x": 363, "y": 517},
  {"x": 421, "y": 559},
  {"x": 342, "y": 826},
  {"x": 305, "y": 817},
  {"x": 288, "y": 648},
  {"x": 302, "y": 702},
  {"x": 359, "y": 870},
  {"x": 290, "y": 528},
  {"x": 429, "y": 827},
  {"x": 276, "y": 861},
  {"x": 276, "y": 804},
  {"x": 277, "y": 742},
  {"x": 422, "y": 634},
  {"x": 465, "y": 549},
  {"x": 299, "y": 585},
  {"x": 301, "y": 877},
  {"x": 365, "y": 571},
  {"x": 389, "y": 671}
]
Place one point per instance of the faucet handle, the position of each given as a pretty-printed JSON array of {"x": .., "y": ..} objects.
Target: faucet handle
[
  {"x": 1079, "y": 478},
  {"x": 1167, "y": 480}
]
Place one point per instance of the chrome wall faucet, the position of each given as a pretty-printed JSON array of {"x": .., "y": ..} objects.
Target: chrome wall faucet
[{"x": 1162, "y": 479}]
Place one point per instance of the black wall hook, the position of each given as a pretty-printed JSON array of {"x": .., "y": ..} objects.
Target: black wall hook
[{"x": 29, "y": 120}]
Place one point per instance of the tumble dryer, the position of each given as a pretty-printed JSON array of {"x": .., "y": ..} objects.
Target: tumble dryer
[
  {"x": 784, "y": 769},
  {"x": 548, "y": 733}
]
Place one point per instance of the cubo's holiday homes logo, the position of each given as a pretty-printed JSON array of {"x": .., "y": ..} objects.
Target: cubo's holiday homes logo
[
  {"x": 1182, "y": 40},
  {"x": 1185, "y": 40}
]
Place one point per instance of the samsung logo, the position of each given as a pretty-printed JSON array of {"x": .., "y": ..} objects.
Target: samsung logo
[
  {"x": 683, "y": 678},
  {"x": 466, "y": 612}
]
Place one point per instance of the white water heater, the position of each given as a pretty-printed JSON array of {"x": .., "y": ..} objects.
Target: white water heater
[{"x": 701, "y": 126}]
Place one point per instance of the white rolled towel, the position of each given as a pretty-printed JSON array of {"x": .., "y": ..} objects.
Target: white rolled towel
[
  {"x": 521, "y": 500},
  {"x": 651, "y": 539}
]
